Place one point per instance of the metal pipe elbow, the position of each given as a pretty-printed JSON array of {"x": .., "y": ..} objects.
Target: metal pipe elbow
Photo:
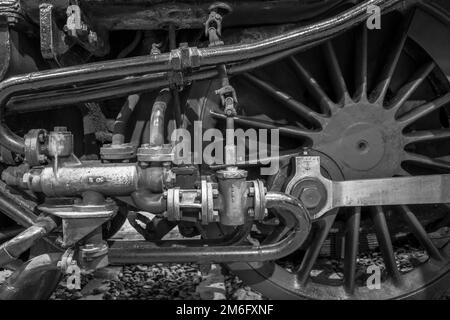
[
  {"x": 157, "y": 118},
  {"x": 150, "y": 202}
]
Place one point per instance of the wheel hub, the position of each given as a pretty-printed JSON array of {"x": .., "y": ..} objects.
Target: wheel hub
[{"x": 363, "y": 140}]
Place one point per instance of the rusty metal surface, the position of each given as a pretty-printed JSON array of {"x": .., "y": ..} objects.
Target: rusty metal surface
[{"x": 157, "y": 14}]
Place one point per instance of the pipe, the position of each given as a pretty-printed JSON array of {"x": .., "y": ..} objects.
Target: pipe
[
  {"x": 17, "y": 209},
  {"x": 11, "y": 250},
  {"x": 150, "y": 202},
  {"x": 34, "y": 280},
  {"x": 108, "y": 179},
  {"x": 295, "y": 38},
  {"x": 175, "y": 94},
  {"x": 146, "y": 65},
  {"x": 120, "y": 124},
  {"x": 157, "y": 118},
  {"x": 8, "y": 233},
  {"x": 131, "y": 252}
]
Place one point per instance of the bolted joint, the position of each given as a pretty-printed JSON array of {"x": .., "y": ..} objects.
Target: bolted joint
[
  {"x": 312, "y": 193},
  {"x": 185, "y": 58},
  {"x": 310, "y": 197}
]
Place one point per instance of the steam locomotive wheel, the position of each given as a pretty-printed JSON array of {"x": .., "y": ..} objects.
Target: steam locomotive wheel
[{"x": 376, "y": 111}]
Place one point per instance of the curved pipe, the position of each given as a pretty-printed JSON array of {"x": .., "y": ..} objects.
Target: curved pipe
[
  {"x": 150, "y": 202},
  {"x": 120, "y": 124},
  {"x": 157, "y": 118},
  {"x": 34, "y": 280},
  {"x": 132, "y": 67},
  {"x": 126, "y": 252},
  {"x": 295, "y": 38}
]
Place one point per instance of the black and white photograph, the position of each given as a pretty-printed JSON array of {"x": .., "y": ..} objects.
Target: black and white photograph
[{"x": 223, "y": 156}]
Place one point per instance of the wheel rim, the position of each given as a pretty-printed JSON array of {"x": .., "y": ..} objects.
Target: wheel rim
[{"x": 372, "y": 128}]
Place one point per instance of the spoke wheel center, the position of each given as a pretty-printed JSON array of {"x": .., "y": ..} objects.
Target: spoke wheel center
[
  {"x": 363, "y": 146},
  {"x": 364, "y": 141}
]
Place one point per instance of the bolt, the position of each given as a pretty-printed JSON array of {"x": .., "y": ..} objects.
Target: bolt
[
  {"x": 251, "y": 191},
  {"x": 215, "y": 193},
  {"x": 215, "y": 216},
  {"x": 251, "y": 212},
  {"x": 310, "y": 197}
]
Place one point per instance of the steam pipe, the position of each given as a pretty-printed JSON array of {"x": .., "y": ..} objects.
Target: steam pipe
[
  {"x": 150, "y": 202},
  {"x": 108, "y": 179},
  {"x": 120, "y": 124},
  {"x": 138, "y": 66},
  {"x": 157, "y": 118},
  {"x": 295, "y": 38},
  {"x": 126, "y": 252}
]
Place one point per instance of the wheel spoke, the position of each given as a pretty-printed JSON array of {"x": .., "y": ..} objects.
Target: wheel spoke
[
  {"x": 351, "y": 249},
  {"x": 423, "y": 110},
  {"x": 271, "y": 125},
  {"x": 337, "y": 78},
  {"x": 385, "y": 243},
  {"x": 387, "y": 72},
  {"x": 311, "y": 255},
  {"x": 426, "y": 136},
  {"x": 411, "y": 86},
  {"x": 426, "y": 161},
  {"x": 420, "y": 233},
  {"x": 326, "y": 105},
  {"x": 297, "y": 107},
  {"x": 361, "y": 64}
]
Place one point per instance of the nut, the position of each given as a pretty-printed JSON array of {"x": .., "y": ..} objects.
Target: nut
[{"x": 310, "y": 197}]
